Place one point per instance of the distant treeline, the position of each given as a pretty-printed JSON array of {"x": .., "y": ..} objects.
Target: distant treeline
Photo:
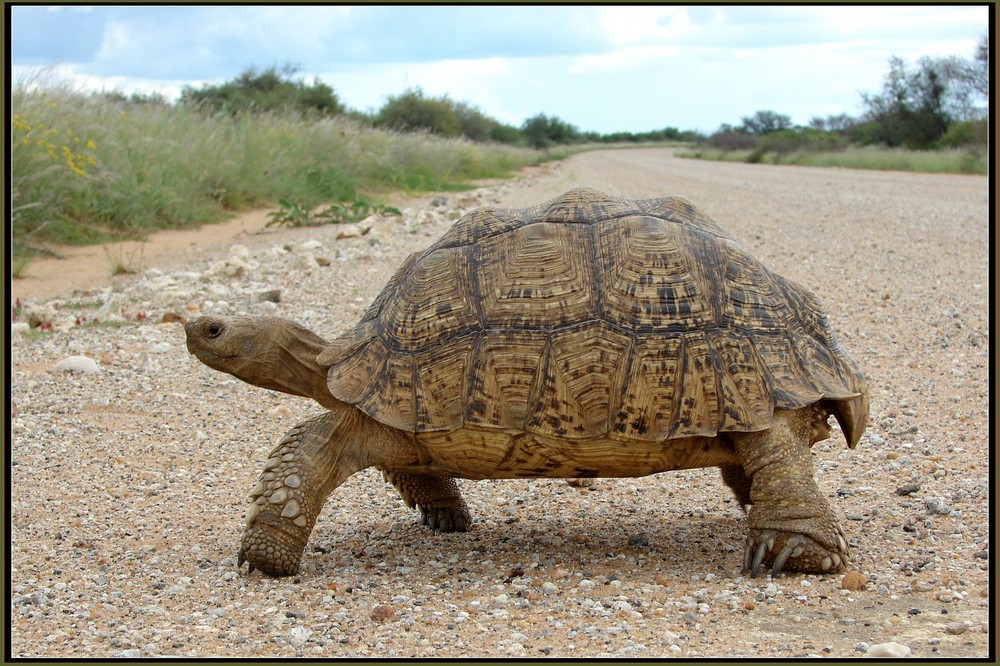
[
  {"x": 280, "y": 91},
  {"x": 937, "y": 103}
]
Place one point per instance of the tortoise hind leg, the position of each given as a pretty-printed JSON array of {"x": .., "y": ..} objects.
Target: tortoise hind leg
[
  {"x": 738, "y": 482},
  {"x": 791, "y": 524},
  {"x": 436, "y": 497}
]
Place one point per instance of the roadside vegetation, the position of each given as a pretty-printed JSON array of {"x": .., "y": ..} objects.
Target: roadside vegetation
[
  {"x": 929, "y": 117},
  {"x": 106, "y": 167},
  {"x": 93, "y": 168}
]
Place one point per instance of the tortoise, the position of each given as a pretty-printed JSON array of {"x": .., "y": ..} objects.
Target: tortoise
[{"x": 589, "y": 336}]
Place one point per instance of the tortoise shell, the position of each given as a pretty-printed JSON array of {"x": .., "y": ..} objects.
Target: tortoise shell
[{"x": 592, "y": 317}]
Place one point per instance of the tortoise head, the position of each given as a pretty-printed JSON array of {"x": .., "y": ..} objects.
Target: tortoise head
[{"x": 269, "y": 352}]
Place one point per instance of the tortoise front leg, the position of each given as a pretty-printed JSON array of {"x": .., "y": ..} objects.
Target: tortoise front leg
[
  {"x": 309, "y": 462},
  {"x": 436, "y": 497},
  {"x": 791, "y": 524}
]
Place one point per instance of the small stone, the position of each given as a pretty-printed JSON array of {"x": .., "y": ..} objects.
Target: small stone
[
  {"x": 348, "y": 231},
  {"x": 957, "y": 628},
  {"x": 891, "y": 650},
  {"x": 131, "y": 653},
  {"x": 937, "y": 506},
  {"x": 638, "y": 540},
  {"x": 80, "y": 364},
  {"x": 171, "y": 317},
  {"x": 908, "y": 489},
  {"x": 298, "y": 636},
  {"x": 231, "y": 267},
  {"x": 549, "y": 587},
  {"x": 281, "y": 412},
  {"x": 382, "y": 612},
  {"x": 322, "y": 261},
  {"x": 853, "y": 580},
  {"x": 271, "y": 295}
]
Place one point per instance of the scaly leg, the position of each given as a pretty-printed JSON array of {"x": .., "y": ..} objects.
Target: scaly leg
[
  {"x": 437, "y": 497},
  {"x": 309, "y": 462},
  {"x": 791, "y": 524},
  {"x": 738, "y": 482}
]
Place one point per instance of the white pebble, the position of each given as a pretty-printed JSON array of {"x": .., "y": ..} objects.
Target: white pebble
[
  {"x": 281, "y": 411},
  {"x": 891, "y": 650},
  {"x": 549, "y": 588},
  {"x": 77, "y": 364},
  {"x": 298, "y": 636},
  {"x": 305, "y": 261}
]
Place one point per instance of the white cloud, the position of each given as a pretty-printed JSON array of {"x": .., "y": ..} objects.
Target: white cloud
[
  {"x": 623, "y": 60},
  {"x": 606, "y": 68}
]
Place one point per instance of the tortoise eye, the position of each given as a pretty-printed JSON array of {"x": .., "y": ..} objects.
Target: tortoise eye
[{"x": 214, "y": 330}]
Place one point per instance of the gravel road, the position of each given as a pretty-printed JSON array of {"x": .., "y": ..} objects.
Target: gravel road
[{"x": 130, "y": 462}]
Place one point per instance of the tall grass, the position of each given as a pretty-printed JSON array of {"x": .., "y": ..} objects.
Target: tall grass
[
  {"x": 88, "y": 169},
  {"x": 969, "y": 160}
]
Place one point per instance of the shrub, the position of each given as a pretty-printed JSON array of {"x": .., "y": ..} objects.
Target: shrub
[
  {"x": 269, "y": 90},
  {"x": 731, "y": 140},
  {"x": 965, "y": 133},
  {"x": 412, "y": 111}
]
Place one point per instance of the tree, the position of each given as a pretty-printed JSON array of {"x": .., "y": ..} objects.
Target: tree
[
  {"x": 764, "y": 122},
  {"x": 542, "y": 131}
]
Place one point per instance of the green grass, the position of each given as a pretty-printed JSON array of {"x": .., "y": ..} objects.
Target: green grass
[
  {"x": 952, "y": 160},
  {"x": 89, "y": 170}
]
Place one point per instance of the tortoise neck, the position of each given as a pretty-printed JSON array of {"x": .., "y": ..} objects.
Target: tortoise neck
[{"x": 289, "y": 363}]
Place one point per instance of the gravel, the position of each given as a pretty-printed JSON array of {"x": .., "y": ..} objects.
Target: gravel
[{"x": 130, "y": 462}]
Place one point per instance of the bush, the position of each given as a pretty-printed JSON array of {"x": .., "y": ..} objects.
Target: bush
[
  {"x": 965, "y": 133},
  {"x": 543, "y": 131},
  {"x": 269, "y": 90},
  {"x": 412, "y": 111},
  {"x": 731, "y": 140}
]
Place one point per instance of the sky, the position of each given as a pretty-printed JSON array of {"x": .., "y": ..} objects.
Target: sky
[{"x": 600, "y": 68}]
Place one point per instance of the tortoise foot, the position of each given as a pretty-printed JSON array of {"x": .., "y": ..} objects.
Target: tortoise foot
[
  {"x": 268, "y": 547},
  {"x": 447, "y": 518},
  {"x": 791, "y": 551}
]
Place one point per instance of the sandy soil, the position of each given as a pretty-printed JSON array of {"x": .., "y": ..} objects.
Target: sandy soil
[{"x": 128, "y": 485}]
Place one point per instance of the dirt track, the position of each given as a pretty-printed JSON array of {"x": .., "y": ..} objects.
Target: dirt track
[{"x": 128, "y": 486}]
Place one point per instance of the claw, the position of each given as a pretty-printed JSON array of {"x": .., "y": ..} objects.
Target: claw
[
  {"x": 757, "y": 559},
  {"x": 780, "y": 560},
  {"x": 241, "y": 557},
  {"x": 747, "y": 557}
]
